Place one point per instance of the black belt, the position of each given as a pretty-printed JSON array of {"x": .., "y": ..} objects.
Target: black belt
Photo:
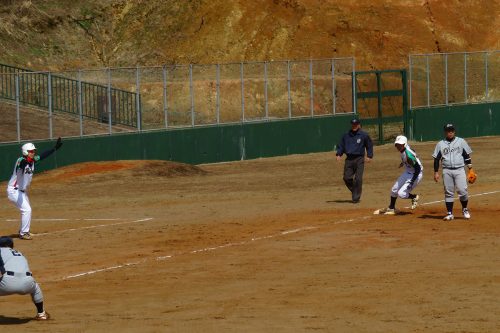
[
  {"x": 454, "y": 168},
  {"x": 15, "y": 188},
  {"x": 12, "y": 273}
]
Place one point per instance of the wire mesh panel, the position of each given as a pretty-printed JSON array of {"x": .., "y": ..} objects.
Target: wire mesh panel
[
  {"x": 322, "y": 88},
  {"x": 453, "y": 78},
  {"x": 476, "y": 77},
  {"x": 151, "y": 110},
  {"x": 300, "y": 89},
  {"x": 367, "y": 107},
  {"x": 107, "y": 101},
  {"x": 437, "y": 79},
  {"x": 205, "y": 94},
  {"x": 391, "y": 105},
  {"x": 9, "y": 123},
  {"x": 418, "y": 81},
  {"x": 93, "y": 100},
  {"x": 254, "y": 87},
  {"x": 456, "y": 78},
  {"x": 179, "y": 96},
  {"x": 277, "y": 90},
  {"x": 64, "y": 108},
  {"x": 493, "y": 76},
  {"x": 343, "y": 85},
  {"x": 232, "y": 103}
]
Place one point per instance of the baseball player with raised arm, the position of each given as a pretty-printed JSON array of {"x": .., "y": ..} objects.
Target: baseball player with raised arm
[
  {"x": 408, "y": 180},
  {"x": 16, "y": 277},
  {"x": 20, "y": 181},
  {"x": 454, "y": 154}
]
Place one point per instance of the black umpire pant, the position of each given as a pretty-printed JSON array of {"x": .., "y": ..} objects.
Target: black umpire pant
[{"x": 353, "y": 175}]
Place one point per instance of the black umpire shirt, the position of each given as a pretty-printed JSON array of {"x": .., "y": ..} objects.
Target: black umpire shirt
[{"x": 353, "y": 144}]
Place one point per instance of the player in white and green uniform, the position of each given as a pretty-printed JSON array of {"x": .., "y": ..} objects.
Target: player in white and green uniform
[
  {"x": 453, "y": 153},
  {"x": 21, "y": 180},
  {"x": 409, "y": 179}
]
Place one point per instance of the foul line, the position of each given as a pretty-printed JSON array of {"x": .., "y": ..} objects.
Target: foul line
[
  {"x": 97, "y": 219},
  {"x": 92, "y": 227},
  {"x": 213, "y": 248}
]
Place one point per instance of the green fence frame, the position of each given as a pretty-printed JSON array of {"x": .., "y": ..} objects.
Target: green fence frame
[{"x": 380, "y": 93}]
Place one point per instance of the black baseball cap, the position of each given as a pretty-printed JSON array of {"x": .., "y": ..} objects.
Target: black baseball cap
[
  {"x": 449, "y": 127},
  {"x": 355, "y": 121}
]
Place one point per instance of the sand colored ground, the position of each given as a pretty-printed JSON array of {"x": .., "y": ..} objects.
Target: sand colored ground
[{"x": 268, "y": 245}]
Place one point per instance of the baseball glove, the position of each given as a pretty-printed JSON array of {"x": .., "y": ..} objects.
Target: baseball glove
[{"x": 471, "y": 176}]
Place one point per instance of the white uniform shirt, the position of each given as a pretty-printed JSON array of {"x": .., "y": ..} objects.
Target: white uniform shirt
[
  {"x": 21, "y": 177},
  {"x": 410, "y": 160},
  {"x": 451, "y": 153},
  {"x": 12, "y": 260}
]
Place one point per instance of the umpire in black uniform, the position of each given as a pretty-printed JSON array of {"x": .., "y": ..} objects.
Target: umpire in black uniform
[{"x": 353, "y": 144}]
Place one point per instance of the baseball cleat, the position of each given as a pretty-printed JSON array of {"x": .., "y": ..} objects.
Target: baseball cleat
[
  {"x": 26, "y": 236},
  {"x": 42, "y": 316},
  {"x": 449, "y": 217},
  {"x": 386, "y": 211},
  {"x": 466, "y": 213},
  {"x": 414, "y": 202}
]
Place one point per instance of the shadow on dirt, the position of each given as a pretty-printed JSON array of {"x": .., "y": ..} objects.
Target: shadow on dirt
[
  {"x": 433, "y": 217},
  {"x": 341, "y": 201},
  {"x": 13, "y": 321}
]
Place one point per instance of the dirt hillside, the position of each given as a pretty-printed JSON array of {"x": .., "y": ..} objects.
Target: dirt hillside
[{"x": 61, "y": 34}]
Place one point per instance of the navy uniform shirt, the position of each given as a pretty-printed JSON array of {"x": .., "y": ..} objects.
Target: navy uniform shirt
[{"x": 353, "y": 144}]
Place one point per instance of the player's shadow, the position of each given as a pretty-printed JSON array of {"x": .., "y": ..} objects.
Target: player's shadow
[
  {"x": 432, "y": 217},
  {"x": 339, "y": 201},
  {"x": 13, "y": 320}
]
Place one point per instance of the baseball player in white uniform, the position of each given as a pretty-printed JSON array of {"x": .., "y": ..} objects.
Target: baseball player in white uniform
[
  {"x": 454, "y": 154},
  {"x": 408, "y": 180},
  {"x": 16, "y": 277},
  {"x": 20, "y": 181}
]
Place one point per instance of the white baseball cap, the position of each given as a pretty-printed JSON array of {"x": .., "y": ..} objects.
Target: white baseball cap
[{"x": 401, "y": 139}]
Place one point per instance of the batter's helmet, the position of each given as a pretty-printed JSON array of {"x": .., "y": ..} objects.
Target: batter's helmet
[
  {"x": 27, "y": 147},
  {"x": 6, "y": 241},
  {"x": 401, "y": 139}
]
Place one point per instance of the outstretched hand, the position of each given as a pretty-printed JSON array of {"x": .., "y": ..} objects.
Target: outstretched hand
[{"x": 58, "y": 143}]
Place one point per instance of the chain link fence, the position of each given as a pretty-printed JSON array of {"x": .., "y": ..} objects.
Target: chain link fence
[
  {"x": 454, "y": 78},
  {"x": 113, "y": 100}
]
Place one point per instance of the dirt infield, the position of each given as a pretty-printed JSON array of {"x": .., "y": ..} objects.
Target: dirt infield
[{"x": 268, "y": 245}]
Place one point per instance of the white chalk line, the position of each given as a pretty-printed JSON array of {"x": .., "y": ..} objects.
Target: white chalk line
[
  {"x": 227, "y": 245},
  {"x": 92, "y": 227},
  {"x": 56, "y": 219}
]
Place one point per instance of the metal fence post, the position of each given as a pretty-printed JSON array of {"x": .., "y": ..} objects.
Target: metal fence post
[
  {"x": 242, "y": 93},
  {"x": 110, "y": 128},
  {"x": 138, "y": 98},
  {"x": 80, "y": 102},
  {"x": 50, "y": 104},
  {"x": 165, "y": 99},
  {"x": 355, "y": 97},
  {"x": 446, "y": 78},
  {"x": 428, "y": 81},
  {"x": 465, "y": 78},
  {"x": 289, "y": 90},
  {"x": 486, "y": 73},
  {"x": 191, "y": 93},
  {"x": 265, "y": 91},
  {"x": 334, "y": 101},
  {"x": 217, "y": 98},
  {"x": 18, "y": 113},
  {"x": 311, "y": 87},
  {"x": 410, "y": 77}
]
